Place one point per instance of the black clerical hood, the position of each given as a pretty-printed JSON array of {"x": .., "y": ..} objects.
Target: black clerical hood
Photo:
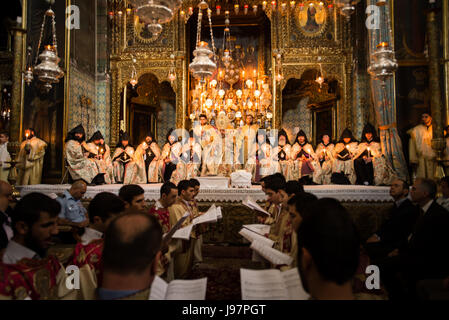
[
  {"x": 369, "y": 128},
  {"x": 325, "y": 134},
  {"x": 347, "y": 134},
  {"x": 77, "y": 129},
  {"x": 124, "y": 136},
  {"x": 301, "y": 133},
  {"x": 283, "y": 133},
  {"x": 96, "y": 136}
]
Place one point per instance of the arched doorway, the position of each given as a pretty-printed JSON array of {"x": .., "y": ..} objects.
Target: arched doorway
[
  {"x": 310, "y": 106},
  {"x": 150, "y": 106}
]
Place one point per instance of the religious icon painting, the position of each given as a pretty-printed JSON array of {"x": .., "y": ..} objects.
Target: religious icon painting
[{"x": 312, "y": 18}]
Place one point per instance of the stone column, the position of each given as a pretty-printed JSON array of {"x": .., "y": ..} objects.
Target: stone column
[
  {"x": 16, "y": 107},
  {"x": 436, "y": 103}
]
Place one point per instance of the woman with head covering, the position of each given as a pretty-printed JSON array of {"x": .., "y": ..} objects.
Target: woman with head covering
[
  {"x": 146, "y": 165},
  {"x": 324, "y": 152},
  {"x": 370, "y": 165},
  {"x": 284, "y": 150},
  {"x": 79, "y": 166},
  {"x": 344, "y": 153},
  {"x": 303, "y": 156},
  {"x": 101, "y": 154}
]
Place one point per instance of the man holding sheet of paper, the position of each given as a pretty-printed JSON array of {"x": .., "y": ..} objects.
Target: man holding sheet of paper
[{"x": 183, "y": 257}]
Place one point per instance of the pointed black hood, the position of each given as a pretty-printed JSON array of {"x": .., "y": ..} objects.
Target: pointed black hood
[
  {"x": 123, "y": 136},
  {"x": 283, "y": 133},
  {"x": 369, "y": 128},
  {"x": 71, "y": 134},
  {"x": 96, "y": 136},
  {"x": 347, "y": 134},
  {"x": 301, "y": 133}
]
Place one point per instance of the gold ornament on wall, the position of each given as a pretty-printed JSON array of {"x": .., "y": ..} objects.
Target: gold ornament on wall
[{"x": 311, "y": 17}]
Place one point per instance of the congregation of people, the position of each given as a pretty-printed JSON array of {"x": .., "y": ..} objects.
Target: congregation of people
[{"x": 118, "y": 244}]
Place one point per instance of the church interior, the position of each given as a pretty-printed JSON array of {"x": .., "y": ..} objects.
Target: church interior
[{"x": 252, "y": 114}]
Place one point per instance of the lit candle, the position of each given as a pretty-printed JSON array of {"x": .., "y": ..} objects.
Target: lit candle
[{"x": 369, "y": 156}]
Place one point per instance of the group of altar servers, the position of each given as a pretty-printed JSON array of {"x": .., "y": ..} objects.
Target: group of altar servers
[{"x": 208, "y": 151}]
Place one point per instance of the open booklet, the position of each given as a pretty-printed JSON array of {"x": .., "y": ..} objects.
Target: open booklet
[
  {"x": 174, "y": 230},
  {"x": 272, "y": 284},
  {"x": 211, "y": 215},
  {"x": 275, "y": 256},
  {"x": 178, "y": 289},
  {"x": 248, "y": 202},
  {"x": 261, "y": 229},
  {"x": 251, "y": 236}
]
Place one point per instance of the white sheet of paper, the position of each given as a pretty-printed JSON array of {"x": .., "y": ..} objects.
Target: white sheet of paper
[
  {"x": 253, "y": 205},
  {"x": 183, "y": 233},
  {"x": 261, "y": 229},
  {"x": 294, "y": 285},
  {"x": 187, "y": 290},
  {"x": 219, "y": 213},
  {"x": 175, "y": 228},
  {"x": 262, "y": 285},
  {"x": 252, "y": 236},
  {"x": 274, "y": 256},
  {"x": 209, "y": 216},
  {"x": 158, "y": 289}
]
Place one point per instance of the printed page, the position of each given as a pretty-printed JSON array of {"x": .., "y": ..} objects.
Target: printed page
[
  {"x": 274, "y": 256},
  {"x": 183, "y": 233},
  {"x": 219, "y": 213},
  {"x": 175, "y": 228},
  {"x": 261, "y": 229},
  {"x": 187, "y": 289},
  {"x": 209, "y": 216},
  {"x": 158, "y": 289},
  {"x": 252, "y": 236},
  {"x": 293, "y": 282},
  {"x": 262, "y": 285},
  {"x": 253, "y": 205}
]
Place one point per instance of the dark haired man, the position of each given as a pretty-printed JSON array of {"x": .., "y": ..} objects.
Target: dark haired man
[
  {"x": 424, "y": 256},
  {"x": 395, "y": 230},
  {"x": 102, "y": 209},
  {"x": 183, "y": 260},
  {"x": 34, "y": 222},
  {"x": 133, "y": 196},
  {"x": 130, "y": 257},
  {"x": 169, "y": 193},
  {"x": 328, "y": 251}
]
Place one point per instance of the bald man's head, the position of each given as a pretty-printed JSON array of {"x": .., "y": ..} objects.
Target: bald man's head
[
  {"x": 131, "y": 243},
  {"x": 5, "y": 195},
  {"x": 78, "y": 189}
]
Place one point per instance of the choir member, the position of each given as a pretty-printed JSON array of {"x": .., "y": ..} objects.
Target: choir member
[
  {"x": 30, "y": 159},
  {"x": 79, "y": 166},
  {"x": 145, "y": 166},
  {"x": 183, "y": 258},
  {"x": 101, "y": 154},
  {"x": 244, "y": 138},
  {"x": 122, "y": 157},
  {"x": 284, "y": 155},
  {"x": 303, "y": 157},
  {"x": 191, "y": 157},
  {"x": 344, "y": 153},
  {"x": 207, "y": 134},
  {"x": 325, "y": 154},
  {"x": 422, "y": 156},
  {"x": 370, "y": 165}
]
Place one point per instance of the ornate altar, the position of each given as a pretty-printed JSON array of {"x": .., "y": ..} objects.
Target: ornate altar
[{"x": 307, "y": 36}]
